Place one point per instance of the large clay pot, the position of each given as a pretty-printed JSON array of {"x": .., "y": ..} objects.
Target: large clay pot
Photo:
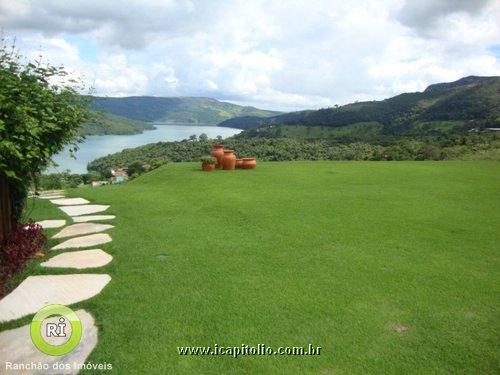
[
  {"x": 218, "y": 153},
  {"x": 229, "y": 160},
  {"x": 249, "y": 163},
  {"x": 239, "y": 163},
  {"x": 207, "y": 167}
]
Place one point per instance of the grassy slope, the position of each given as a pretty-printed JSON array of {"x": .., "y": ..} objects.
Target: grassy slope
[
  {"x": 328, "y": 253},
  {"x": 106, "y": 123}
]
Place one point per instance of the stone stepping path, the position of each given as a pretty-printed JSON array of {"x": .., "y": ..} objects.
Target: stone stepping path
[
  {"x": 79, "y": 259},
  {"x": 38, "y": 291},
  {"x": 83, "y": 209},
  {"x": 16, "y": 347},
  {"x": 82, "y": 228},
  {"x": 49, "y": 192},
  {"x": 82, "y": 219},
  {"x": 85, "y": 241},
  {"x": 52, "y": 197},
  {"x": 51, "y": 223},
  {"x": 69, "y": 201}
]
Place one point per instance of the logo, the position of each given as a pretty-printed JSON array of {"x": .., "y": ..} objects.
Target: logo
[{"x": 48, "y": 335}]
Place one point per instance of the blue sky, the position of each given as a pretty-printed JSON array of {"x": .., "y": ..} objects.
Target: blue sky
[{"x": 284, "y": 55}]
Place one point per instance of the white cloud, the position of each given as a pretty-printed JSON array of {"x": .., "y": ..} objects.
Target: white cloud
[{"x": 286, "y": 55}]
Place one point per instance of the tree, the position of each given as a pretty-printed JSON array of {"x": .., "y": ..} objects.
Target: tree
[
  {"x": 203, "y": 137},
  {"x": 40, "y": 113},
  {"x": 135, "y": 169}
]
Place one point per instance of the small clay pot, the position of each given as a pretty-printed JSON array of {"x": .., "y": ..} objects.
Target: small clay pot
[
  {"x": 249, "y": 163},
  {"x": 239, "y": 163},
  {"x": 218, "y": 153},
  {"x": 229, "y": 160},
  {"x": 207, "y": 167}
]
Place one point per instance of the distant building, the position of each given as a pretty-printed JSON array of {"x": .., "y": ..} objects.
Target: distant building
[
  {"x": 119, "y": 175},
  {"x": 99, "y": 183}
]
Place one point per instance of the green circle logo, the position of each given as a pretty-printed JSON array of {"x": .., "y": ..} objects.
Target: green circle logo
[{"x": 55, "y": 329}]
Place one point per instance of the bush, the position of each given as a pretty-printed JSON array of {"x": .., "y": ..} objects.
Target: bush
[
  {"x": 22, "y": 242},
  {"x": 136, "y": 168},
  {"x": 208, "y": 160},
  {"x": 41, "y": 111}
]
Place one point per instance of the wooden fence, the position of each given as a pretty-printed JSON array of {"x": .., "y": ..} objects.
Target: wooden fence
[{"x": 5, "y": 209}]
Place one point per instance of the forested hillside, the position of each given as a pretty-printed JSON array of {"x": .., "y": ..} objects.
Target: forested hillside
[
  {"x": 176, "y": 110},
  {"x": 442, "y": 109},
  {"x": 105, "y": 123}
]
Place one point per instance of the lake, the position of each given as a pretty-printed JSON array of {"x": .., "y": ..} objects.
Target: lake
[{"x": 96, "y": 146}]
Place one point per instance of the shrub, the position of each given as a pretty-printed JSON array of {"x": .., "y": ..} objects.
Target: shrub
[
  {"x": 158, "y": 162},
  {"x": 41, "y": 111},
  {"x": 136, "y": 168},
  {"x": 22, "y": 242},
  {"x": 208, "y": 160}
]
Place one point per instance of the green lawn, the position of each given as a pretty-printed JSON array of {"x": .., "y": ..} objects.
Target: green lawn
[{"x": 336, "y": 254}]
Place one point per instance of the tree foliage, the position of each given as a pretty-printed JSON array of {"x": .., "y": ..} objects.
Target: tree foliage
[
  {"x": 40, "y": 113},
  {"x": 282, "y": 149}
]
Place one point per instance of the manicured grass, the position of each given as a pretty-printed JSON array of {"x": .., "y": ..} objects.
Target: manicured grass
[{"x": 336, "y": 254}]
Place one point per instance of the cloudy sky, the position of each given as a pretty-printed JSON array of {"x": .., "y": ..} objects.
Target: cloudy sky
[{"x": 276, "y": 54}]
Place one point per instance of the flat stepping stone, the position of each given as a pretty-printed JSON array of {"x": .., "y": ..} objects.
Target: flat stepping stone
[
  {"x": 51, "y": 197},
  {"x": 38, "y": 291},
  {"x": 51, "y": 223},
  {"x": 82, "y": 228},
  {"x": 79, "y": 259},
  {"x": 50, "y": 193},
  {"x": 83, "y": 209},
  {"x": 54, "y": 191},
  {"x": 82, "y": 219},
  {"x": 69, "y": 201},
  {"x": 16, "y": 347},
  {"x": 85, "y": 241}
]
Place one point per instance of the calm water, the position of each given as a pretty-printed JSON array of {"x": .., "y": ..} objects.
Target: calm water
[{"x": 97, "y": 146}]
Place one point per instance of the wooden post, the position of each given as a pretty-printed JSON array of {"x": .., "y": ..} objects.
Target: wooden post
[{"x": 5, "y": 209}]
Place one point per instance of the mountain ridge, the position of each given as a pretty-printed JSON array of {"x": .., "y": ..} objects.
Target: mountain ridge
[
  {"x": 443, "y": 108},
  {"x": 170, "y": 110}
]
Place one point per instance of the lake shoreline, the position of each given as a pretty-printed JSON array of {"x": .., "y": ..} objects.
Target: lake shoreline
[{"x": 96, "y": 146}]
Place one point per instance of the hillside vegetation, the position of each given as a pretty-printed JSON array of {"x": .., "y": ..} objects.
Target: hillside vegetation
[
  {"x": 176, "y": 110},
  {"x": 476, "y": 146},
  {"x": 442, "y": 109},
  {"x": 106, "y": 123}
]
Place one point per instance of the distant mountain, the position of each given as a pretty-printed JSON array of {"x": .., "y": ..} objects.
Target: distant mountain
[
  {"x": 106, "y": 123},
  {"x": 175, "y": 110},
  {"x": 465, "y": 81},
  {"x": 247, "y": 122},
  {"x": 442, "y": 109}
]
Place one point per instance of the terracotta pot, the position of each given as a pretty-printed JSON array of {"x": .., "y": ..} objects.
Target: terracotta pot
[
  {"x": 229, "y": 160},
  {"x": 239, "y": 163},
  {"x": 218, "y": 153},
  {"x": 207, "y": 167},
  {"x": 249, "y": 163}
]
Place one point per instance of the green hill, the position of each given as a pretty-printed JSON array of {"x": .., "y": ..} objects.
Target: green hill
[
  {"x": 442, "y": 109},
  {"x": 106, "y": 123},
  {"x": 175, "y": 110}
]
